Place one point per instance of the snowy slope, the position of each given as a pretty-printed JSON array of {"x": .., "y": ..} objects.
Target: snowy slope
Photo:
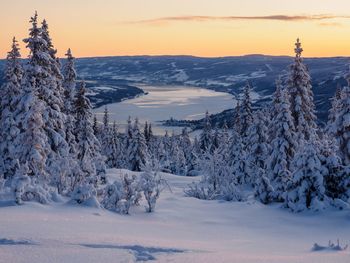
[{"x": 182, "y": 229}]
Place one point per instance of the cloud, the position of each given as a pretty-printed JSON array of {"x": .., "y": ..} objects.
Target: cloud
[{"x": 162, "y": 20}]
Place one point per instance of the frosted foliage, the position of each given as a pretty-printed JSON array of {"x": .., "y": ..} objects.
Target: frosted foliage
[
  {"x": 307, "y": 190},
  {"x": 301, "y": 96}
]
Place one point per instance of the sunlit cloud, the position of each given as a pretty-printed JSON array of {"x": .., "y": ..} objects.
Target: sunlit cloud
[{"x": 162, "y": 20}]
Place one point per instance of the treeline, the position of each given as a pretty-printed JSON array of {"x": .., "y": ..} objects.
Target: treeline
[{"x": 48, "y": 146}]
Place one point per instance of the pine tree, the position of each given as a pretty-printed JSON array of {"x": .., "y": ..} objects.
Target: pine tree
[
  {"x": 301, "y": 96},
  {"x": 32, "y": 141},
  {"x": 283, "y": 147},
  {"x": 257, "y": 144},
  {"x": 342, "y": 124},
  {"x": 205, "y": 139},
  {"x": 9, "y": 96},
  {"x": 246, "y": 117},
  {"x": 88, "y": 147},
  {"x": 42, "y": 69},
  {"x": 237, "y": 159},
  {"x": 69, "y": 85},
  {"x": 237, "y": 118},
  {"x": 137, "y": 151},
  {"x": 336, "y": 179},
  {"x": 95, "y": 126},
  {"x": 332, "y": 114},
  {"x": 307, "y": 189},
  {"x": 145, "y": 132}
]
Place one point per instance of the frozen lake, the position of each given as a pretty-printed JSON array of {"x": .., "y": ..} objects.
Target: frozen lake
[{"x": 164, "y": 102}]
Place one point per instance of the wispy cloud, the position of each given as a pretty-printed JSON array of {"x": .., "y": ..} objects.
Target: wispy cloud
[{"x": 296, "y": 18}]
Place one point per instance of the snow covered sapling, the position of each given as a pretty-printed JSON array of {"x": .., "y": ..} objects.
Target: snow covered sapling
[
  {"x": 263, "y": 189},
  {"x": 152, "y": 184},
  {"x": 131, "y": 194}
]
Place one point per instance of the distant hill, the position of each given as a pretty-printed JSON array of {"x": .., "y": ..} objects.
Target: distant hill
[{"x": 228, "y": 74}]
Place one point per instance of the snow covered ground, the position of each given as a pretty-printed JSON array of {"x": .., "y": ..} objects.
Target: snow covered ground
[{"x": 182, "y": 229}]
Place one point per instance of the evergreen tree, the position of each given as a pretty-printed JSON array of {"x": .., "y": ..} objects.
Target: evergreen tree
[
  {"x": 283, "y": 147},
  {"x": 145, "y": 132},
  {"x": 257, "y": 144},
  {"x": 237, "y": 118},
  {"x": 9, "y": 129},
  {"x": 246, "y": 117},
  {"x": 205, "y": 139},
  {"x": 88, "y": 147},
  {"x": 137, "y": 151},
  {"x": 307, "y": 190},
  {"x": 69, "y": 85},
  {"x": 95, "y": 126},
  {"x": 342, "y": 124},
  {"x": 301, "y": 96},
  {"x": 237, "y": 160},
  {"x": 42, "y": 71},
  {"x": 335, "y": 108}
]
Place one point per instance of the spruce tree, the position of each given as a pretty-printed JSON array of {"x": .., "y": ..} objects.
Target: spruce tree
[
  {"x": 137, "y": 151},
  {"x": 88, "y": 147},
  {"x": 9, "y": 99},
  {"x": 42, "y": 70},
  {"x": 342, "y": 124},
  {"x": 307, "y": 189},
  {"x": 246, "y": 117},
  {"x": 301, "y": 96},
  {"x": 283, "y": 147},
  {"x": 69, "y": 85},
  {"x": 258, "y": 147},
  {"x": 205, "y": 139}
]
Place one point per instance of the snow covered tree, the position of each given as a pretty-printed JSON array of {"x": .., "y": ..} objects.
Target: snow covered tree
[
  {"x": 246, "y": 111},
  {"x": 177, "y": 157},
  {"x": 301, "y": 96},
  {"x": 88, "y": 148},
  {"x": 336, "y": 179},
  {"x": 257, "y": 144},
  {"x": 263, "y": 189},
  {"x": 152, "y": 184},
  {"x": 95, "y": 126},
  {"x": 145, "y": 132},
  {"x": 237, "y": 159},
  {"x": 342, "y": 124},
  {"x": 335, "y": 108},
  {"x": 205, "y": 139},
  {"x": 69, "y": 85},
  {"x": 43, "y": 70},
  {"x": 307, "y": 189},
  {"x": 283, "y": 147},
  {"x": 31, "y": 183},
  {"x": 9, "y": 95},
  {"x": 236, "y": 122},
  {"x": 137, "y": 153}
]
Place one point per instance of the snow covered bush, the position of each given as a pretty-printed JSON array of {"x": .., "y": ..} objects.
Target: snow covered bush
[
  {"x": 121, "y": 195},
  {"x": 85, "y": 194},
  {"x": 27, "y": 188},
  {"x": 263, "y": 190},
  {"x": 151, "y": 184}
]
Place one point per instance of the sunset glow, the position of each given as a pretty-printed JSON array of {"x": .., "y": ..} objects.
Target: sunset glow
[{"x": 186, "y": 27}]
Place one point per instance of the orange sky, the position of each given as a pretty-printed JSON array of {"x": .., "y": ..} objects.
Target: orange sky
[{"x": 186, "y": 27}]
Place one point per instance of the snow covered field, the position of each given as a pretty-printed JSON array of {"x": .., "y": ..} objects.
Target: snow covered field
[{"x": 182, "y": 229}]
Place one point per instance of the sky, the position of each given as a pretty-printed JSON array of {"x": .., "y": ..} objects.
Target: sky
[{"x": 207, "y": 28}]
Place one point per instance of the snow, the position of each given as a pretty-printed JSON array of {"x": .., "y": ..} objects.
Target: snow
[{"x": 182, "y": 229}]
